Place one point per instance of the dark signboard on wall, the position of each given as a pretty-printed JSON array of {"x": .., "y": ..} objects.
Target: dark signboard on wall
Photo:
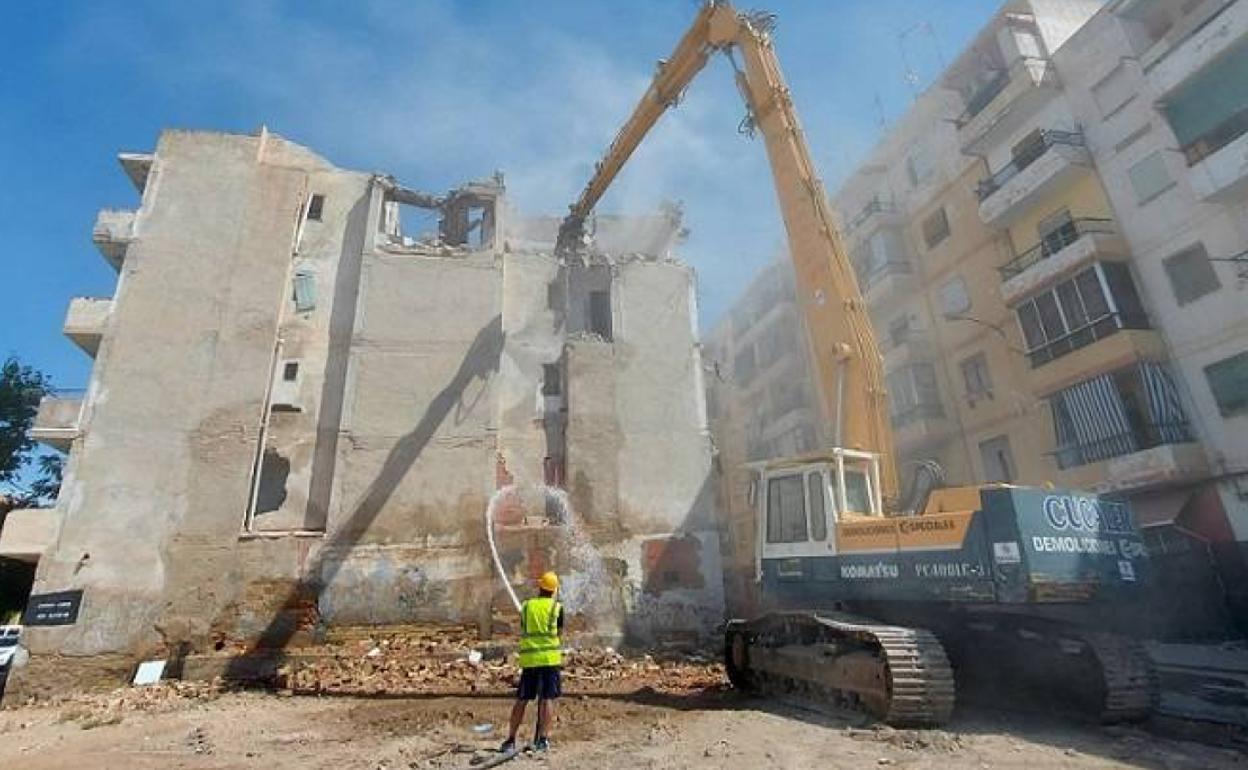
[{"x": 54, "y": 609}]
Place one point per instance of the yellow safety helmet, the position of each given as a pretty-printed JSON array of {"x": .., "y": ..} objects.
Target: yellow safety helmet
[{"x": 548, "y": 582}]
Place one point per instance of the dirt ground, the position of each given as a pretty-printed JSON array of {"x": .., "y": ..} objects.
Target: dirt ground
[{"x": 635, "y": 721}]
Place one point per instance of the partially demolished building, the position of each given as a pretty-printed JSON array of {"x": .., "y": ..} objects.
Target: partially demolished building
[{"x": 299, "y": 413}]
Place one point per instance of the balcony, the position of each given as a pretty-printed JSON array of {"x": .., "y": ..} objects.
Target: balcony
[
  {"x": 1219, "y": 161},
  {"x": 1075, "y": 244},
  {"x": 1044, "y": 165},
  {"x": 138, "y": 167},
  {"x": 27, "y": 533},
  {"x": 1149, "y": 456},
  {"x": 1102, "y": 347},
  {"x": 58, "y": 420},
  {"x": 886, "y": 279},
  {"x": 112, "y": 234},
  {"x": 878, "y": 212},
  {"x": 1004, "y": 103},
  {"x": 1194, "y": 43},
  {"x": 86, "y": 320}
]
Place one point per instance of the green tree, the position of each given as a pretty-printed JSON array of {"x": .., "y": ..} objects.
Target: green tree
[{"x": 21, "y": 388}]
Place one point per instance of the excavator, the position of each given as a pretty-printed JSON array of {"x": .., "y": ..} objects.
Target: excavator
[{"x": 873, "y": 600}]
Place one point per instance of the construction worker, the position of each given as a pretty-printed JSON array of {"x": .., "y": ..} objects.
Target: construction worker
[{"x": 541, "y": 620}]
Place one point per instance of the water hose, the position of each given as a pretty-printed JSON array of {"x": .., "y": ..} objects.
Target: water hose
[{"x": 489, "y": 534}]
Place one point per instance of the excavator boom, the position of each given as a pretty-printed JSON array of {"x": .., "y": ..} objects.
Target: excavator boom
[{"x": 847, "y": 362}]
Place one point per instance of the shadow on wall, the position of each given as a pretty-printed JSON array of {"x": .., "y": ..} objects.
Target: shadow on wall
[{"x": 479, "y": 362}]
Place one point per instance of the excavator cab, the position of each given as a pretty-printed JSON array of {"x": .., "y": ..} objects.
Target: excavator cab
[{"x": 800, "y": 500}]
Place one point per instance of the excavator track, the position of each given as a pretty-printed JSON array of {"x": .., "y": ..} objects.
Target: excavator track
[
  {"x": 896, "y": 674},
  {"x": 1129, "y": 676},
  {"x": 1089, "y": 674}
]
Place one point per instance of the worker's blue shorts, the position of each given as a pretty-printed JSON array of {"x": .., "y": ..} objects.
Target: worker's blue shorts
[{"x": 541, "y": 682}]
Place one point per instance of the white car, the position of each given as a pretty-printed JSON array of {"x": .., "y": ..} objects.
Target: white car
[{"x": 8, "y": 644}]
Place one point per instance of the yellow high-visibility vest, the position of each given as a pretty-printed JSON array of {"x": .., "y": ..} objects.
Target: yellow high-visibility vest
[{"x": 539, "y": 633}]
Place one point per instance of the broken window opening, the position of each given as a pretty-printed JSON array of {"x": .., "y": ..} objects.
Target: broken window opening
[
  {"x": 290, "y": 371},
  {"x": 589, "y": 301},
  {"x": 463, "y": 218},
  {"x": 600, "y": 314},
  {"x": 271, "y": 493},
  {"x": 551, "y": 384},
  {"x": 315, "y": 207}
]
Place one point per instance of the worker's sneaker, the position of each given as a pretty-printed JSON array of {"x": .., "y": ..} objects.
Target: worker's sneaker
[
  {"x": 541, "y": 744},
  {"x": 508, "y": 746}
]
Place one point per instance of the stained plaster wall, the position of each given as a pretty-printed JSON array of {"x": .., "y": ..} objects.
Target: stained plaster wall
[
  {"x": 152, "y": 510},
  {"x": 635, "y": 415},
  {"x": 419, "y": 393}
]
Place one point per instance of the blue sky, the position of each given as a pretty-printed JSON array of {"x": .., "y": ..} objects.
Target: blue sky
[{"x": 432, "y": 91}]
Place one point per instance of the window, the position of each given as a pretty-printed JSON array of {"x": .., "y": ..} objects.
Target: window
[
  {"x": 857, "y": 492},
  {"x": 1210, "y": 109},
  {"x": 1191, "y": 274},
  {"x": 1150, "y": 178},
  {"x": 818, "y": 506},
  {"x": 998, "y": 462},
  {"x": 913, "y": 395},
  {"x": 975, "y": 376},
  {"x": 954, "y": 300},
  {"x": 550, "y": 380},
  {"x": 1056, "y": 232},
  {"x": 1078, "y": 312},
  {"x": 935, "y": 228},
  {"x": 1228, "y": 379},
  {"x": 315, "y": 207},
  {"x": 290, "y": 371},
  {"x": 1113, "y": 92},
  {"x": 600, "y": 314},
  {"x": 786, "y": 510},
  {"x": 304, "y": 292}
]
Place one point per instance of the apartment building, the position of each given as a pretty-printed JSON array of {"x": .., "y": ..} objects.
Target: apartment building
[
  {"x": 302, "y": 403},
  {"x": 1062, "y": 300},
  {"x": 926, "y": 257},
  {"x": 1160, "y": 90}
]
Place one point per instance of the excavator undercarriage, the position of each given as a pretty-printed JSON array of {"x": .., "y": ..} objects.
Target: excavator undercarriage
[{"x": 903, "y": 675}]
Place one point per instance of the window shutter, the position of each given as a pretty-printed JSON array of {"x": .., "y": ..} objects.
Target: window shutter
[{"x": 305, "y": 292}]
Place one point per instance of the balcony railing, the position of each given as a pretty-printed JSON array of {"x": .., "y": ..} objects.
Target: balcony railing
[
  {"x": 874, "y": 206},
  {"x": 870, "y": 275},
  {"x": 1085, "y": 335},
  {"x": 1025, "y": 157},
  {"x": 984, "y": 96},
  {"x": 1138, "y": 439},
  {"x": 1216, "y": 138},
  {"x": 1054, "y": 242}
]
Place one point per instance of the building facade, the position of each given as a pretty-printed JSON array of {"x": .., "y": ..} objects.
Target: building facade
[
  {"x": 1160, "y": 91},
  {"x": 301, "y": 408}
]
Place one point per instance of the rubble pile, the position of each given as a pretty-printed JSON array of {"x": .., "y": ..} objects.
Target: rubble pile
[
  {"x": 90, "y": 711},
  {"x": 450, "y": 664}
]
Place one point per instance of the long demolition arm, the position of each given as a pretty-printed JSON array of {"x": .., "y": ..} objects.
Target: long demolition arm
[{"x": 845, "y": 355}]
